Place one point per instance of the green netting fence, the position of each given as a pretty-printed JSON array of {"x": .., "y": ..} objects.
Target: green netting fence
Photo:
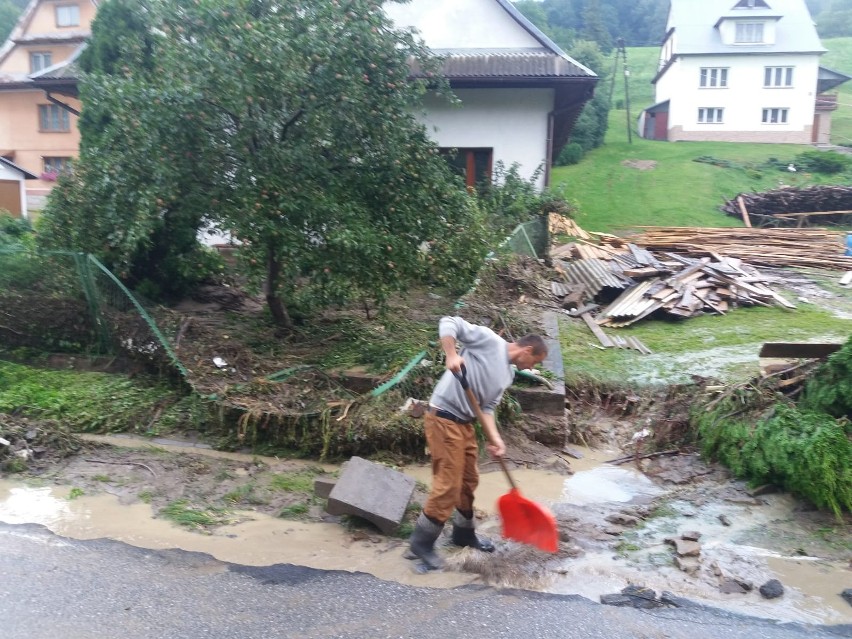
[
  {"x": 70, "y": 302},
  {"x": 530, "y": 238}
]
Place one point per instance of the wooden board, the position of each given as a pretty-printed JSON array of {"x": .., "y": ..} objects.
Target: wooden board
[{"x": 798, "y": 350}]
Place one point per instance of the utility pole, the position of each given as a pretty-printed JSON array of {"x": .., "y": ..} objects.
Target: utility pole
[{"x": 623, "y": 52}]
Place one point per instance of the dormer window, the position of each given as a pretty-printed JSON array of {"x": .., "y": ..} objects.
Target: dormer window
[
  {"x": 751, "y": 4},
  {"x": 749, "y": 33},
  {"x": 68, "y": 15}
]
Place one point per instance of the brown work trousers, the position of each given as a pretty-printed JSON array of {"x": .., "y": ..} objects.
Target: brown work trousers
[{"x": 455, "y": 474}]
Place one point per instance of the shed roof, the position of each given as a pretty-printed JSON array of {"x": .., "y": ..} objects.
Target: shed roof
[{"x": 27, "y": 175}]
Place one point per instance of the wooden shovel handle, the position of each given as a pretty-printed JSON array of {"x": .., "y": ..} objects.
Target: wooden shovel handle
[{"x": 474, "y": 404}]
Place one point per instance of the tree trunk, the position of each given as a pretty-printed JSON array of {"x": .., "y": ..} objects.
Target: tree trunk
[{"x": 276, "y": 305}]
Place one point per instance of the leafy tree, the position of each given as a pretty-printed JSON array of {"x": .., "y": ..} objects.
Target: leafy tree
[
  {"x": 9, "y": 14},
  {"x": 290, "y": 124},
  {"x": 590, "y": 129},
  {"x": 594, "y": 28},
  {"x": 121, "y": 203}
]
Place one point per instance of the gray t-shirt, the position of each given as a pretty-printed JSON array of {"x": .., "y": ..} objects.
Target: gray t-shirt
[{"x": 489, "y": 371}]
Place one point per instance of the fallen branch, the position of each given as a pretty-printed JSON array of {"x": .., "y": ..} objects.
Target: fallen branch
[
  {"x": 124, "y": 463},
  {"x": 624, "y": 460}
]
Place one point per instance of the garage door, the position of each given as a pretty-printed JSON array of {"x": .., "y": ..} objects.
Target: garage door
[{"x": 10, "y": 196}]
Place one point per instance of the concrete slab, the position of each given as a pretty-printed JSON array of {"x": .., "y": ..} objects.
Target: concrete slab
[
  {"x": 374, "y": 492},
  {"x": 540, "y": 399}
]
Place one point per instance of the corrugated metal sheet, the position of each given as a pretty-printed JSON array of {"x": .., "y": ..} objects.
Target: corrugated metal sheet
[
  {"x": 632, "y": 302},
  {"x": 559, "y": 289},
  {"x": 594, "y": 275},
  {"x": 506, "y": 63}
]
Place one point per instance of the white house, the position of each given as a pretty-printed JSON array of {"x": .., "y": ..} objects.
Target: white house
[
  {"x": 13, "y": 193},
  {"x": 520, "y": 93},
  {"x": 741, "y": 71}
]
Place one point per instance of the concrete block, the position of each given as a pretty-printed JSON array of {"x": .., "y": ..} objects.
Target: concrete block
[
  {"x": 374, "y": 492},
  {"x": 323, "y": 486},
  {"x": 539, "y": 399}
]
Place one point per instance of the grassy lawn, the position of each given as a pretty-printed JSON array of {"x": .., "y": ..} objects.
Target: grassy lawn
[
  {"x": 723, "y": 348},
  {"x": 839, "y": 58},
  {"x": 678, "y": 191}
]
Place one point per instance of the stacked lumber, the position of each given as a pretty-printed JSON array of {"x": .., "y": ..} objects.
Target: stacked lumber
[
  {"x": 560, "y": 224},
  {"x": 792, "y": 206},
  {"x": 809, "y": 248}
]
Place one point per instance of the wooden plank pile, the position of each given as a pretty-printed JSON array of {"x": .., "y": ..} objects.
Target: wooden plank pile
[
  {"x": 808, "y": 248},
  {"x": 831, "y": 204}
]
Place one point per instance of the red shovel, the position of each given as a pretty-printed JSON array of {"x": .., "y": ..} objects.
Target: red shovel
[{"x": 524, "y": 521}]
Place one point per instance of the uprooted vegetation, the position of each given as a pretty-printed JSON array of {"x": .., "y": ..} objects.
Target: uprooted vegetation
[{"x": 805, "y": 447}]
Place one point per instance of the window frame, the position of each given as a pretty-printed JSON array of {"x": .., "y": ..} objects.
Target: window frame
[
  {"x": 73, "y": 15},
  {"x": 711, "y": 115},
  {"x": 469, "y": 156},
  {"x": 708, "y": 75},
  {"x": 782, "y": 114},
  {"x": 778, "y": 77},
  {"x": 50, "y": 114},
  {"x": 56, "y": 164},
  {"x": 45, "y": 58},
  {"x": 759, "y": 33}
]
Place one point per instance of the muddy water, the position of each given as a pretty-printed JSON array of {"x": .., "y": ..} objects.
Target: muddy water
[{"x": 742, "y": 549}]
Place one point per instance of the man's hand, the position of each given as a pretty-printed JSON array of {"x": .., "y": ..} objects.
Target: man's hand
[
  {"x": 496, "y": 448},
  {"x": 454, "y": 362},
  {"x": 451, "y": 356}
]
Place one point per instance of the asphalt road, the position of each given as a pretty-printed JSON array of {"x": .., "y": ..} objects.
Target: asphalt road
[{"x": 57, "y": 588}]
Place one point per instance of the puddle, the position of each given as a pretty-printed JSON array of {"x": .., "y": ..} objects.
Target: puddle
[
  {"x": 609, "y": 484},
  {"x": 757, "y": 546}
]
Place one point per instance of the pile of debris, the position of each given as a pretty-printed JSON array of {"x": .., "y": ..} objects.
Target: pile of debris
[
  {"x": 620, "y": 283},
  {"x": 793, "y": 206}
]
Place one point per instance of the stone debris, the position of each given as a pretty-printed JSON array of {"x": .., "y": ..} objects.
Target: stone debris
[
  {"x": 622, "y": 519},
  {"x": 691, "y": 535},
  {"x": 374, "y": 492},
  {"x": 689, "y": 565},
  {"x": 634, "y": 597},
  {"x": 772, "y": 589},
  {"x": 735, "y": 587},
  {"x": 847, "y": 595},
  {"x": 725, "y": 521},
  {"x": 685, "y": 548}
]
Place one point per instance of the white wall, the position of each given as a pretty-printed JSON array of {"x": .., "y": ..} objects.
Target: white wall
[
  {"x": 447, "y": 24},
  {"x": 511, "y": 121},
  {"x": 745, "y": 97}
]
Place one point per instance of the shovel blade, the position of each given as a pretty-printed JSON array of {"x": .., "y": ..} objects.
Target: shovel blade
[{"x": 527, "y": 522}]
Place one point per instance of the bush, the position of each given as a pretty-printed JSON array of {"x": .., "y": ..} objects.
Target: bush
[
  {"x": 571, "y": 154},
  {"x": 13, "y": 231},
  {"x": 828, "y": 162}
]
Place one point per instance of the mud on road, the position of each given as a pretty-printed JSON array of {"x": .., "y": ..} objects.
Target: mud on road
[{"x": 618, "y": 523}]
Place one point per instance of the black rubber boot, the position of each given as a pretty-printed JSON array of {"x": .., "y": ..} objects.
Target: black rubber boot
[
  {"x": 422, "y": 542},
  {"x": 464, "y": 534}
]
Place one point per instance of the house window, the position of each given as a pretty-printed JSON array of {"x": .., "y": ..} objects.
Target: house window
[
  {"x": 67, "y": 15},
  {"x": 53, "y": 118},
  {"x": 474, "y": 165},
  {"x": 710, "y": 115},
  {"x": 714, "y": 77},
  {"x": 751, "y": 4},
  {"x": 40, "y": 60},
  {"x": 749, "y": 32},
  {"x": 778, "y": 77},
  {"x": 57, "y": 165},
  {"x": 775, "y": 116}
]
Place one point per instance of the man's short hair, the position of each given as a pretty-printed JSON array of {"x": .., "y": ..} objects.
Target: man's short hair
[{"x": 537, "y": 343}]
